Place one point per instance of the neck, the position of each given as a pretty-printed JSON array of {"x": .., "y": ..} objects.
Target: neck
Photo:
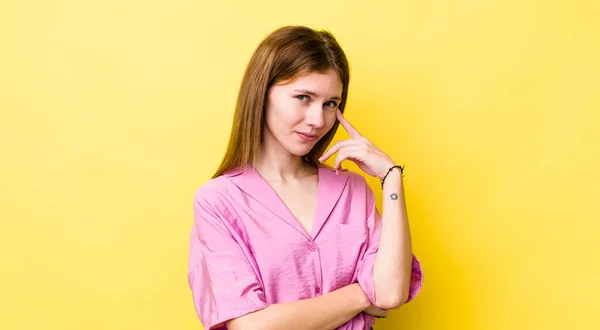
[{"x": 276, "y": 164}]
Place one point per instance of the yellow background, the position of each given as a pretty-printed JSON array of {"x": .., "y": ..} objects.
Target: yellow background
[{"x": 114, "y": 112}]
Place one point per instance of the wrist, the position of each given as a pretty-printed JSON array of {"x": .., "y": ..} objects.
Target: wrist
[
  {"x": 394, "y": 173},
  {"x": 386, "y": 168}
]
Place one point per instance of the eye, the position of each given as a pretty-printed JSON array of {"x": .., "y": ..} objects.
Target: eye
[
  {"x": 331, "y": 104},
  {"x": 302, "y": 98}
]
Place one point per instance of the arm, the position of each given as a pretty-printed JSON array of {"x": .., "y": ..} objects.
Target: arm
[
  {"x": 393, "y": 263},
  {"x": 324, "y": 312},
  {"x": 389, "y": 273}
]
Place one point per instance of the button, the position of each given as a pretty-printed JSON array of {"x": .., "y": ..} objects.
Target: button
[
  {"x": 312, "y": 247},
  {"x": 318, "y": 290}
]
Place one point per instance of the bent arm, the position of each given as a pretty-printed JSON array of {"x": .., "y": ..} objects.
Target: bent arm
[
  {"x": 328, "y": 311},
  {"x": 393, "y": 263}
]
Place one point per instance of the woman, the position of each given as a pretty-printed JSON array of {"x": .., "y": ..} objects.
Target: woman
[{"x": 280, "y": 241}]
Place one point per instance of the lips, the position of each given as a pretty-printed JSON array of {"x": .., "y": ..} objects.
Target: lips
[{"x": 307, "y": 136}]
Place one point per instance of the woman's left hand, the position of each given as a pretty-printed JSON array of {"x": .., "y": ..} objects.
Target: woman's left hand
[{"x": 360, "y": 150}]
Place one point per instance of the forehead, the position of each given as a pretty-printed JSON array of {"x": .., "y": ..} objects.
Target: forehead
[{"x": 327, "y": 82}]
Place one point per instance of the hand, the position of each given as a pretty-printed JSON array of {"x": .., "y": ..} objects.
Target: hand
[
  {"x": 360, "y": 150},
  {"x": 373, "y": 310}
]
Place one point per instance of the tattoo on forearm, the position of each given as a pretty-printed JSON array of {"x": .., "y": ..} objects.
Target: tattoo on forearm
[{"x": 394, "y": 196}]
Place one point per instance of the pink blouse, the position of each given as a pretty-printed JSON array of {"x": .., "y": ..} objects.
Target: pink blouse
[{"x": 248, "y": 251}]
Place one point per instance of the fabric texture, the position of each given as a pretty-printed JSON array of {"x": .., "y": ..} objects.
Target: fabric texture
[{"x": 248, "y": 251}]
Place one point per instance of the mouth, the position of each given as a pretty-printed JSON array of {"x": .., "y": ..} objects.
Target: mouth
[{"x": 307, "y": 136}]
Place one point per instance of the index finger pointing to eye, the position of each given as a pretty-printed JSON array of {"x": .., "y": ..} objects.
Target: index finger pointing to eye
[{"x": 347, "y": 126}]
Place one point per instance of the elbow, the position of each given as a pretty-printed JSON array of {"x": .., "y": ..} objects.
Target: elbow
[
  {"x": 389, "y": 304},
  {"x": 392, "y": 301},
  {"x": 391, "y": 292}
]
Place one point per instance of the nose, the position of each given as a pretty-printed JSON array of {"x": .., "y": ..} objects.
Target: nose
[{"x": 314, "y": 116}]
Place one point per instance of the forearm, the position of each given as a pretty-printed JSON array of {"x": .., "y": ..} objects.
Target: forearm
[
  {"x": 392, "y": 268},
  {"x": 328, "y": 311}
]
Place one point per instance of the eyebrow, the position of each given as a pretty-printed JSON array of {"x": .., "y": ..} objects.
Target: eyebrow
[{"x": 305, "y": 91}]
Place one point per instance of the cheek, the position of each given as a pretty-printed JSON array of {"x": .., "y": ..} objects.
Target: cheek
[
  {"x": 290, "y": 113},
  {"x": 330, "y": 119},
  {"x": 281, "y": 116}
]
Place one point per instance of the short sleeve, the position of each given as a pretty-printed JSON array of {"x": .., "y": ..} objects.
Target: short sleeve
[
  {"x": 367, "y": 262},
  {"x": 221, "y": 275}
]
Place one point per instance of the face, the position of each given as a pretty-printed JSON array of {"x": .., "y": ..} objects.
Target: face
[{"x": 299, "y": 113}]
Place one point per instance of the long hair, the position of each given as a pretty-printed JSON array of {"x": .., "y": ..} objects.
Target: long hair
[{"x": 283, "y": 55}]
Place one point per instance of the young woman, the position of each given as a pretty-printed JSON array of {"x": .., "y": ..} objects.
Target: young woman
[{"x": 281, "y": 241}]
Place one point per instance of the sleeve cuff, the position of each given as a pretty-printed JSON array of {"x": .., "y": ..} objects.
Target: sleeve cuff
[
  {"x": 246, "y": 307},
  {"x": 416, "y": 279}
]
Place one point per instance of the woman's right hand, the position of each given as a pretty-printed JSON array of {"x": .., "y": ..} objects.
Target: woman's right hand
[{"x": 375, "y": 311}]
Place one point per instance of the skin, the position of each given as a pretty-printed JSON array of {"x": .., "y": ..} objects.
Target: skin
[
  {"x": 298, "y": 114},
  {"x": 393, "y": 263}
]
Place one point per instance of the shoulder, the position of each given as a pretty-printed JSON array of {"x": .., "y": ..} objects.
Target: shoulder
[
  {"x": 360, "y": 190},
  {"x": 355, "y": 182},
  {"x": 215, "y": 191},
  {"x": 357, "y": 179}
]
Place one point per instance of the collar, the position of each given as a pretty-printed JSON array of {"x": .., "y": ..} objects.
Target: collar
[{"x": 329, "y": 189}]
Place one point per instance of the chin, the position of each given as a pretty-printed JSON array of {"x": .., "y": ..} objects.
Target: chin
[{"x": 300, "y": 150}]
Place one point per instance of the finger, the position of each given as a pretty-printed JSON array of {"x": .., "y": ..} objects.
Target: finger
[
  {"x": 334, "y": 149},
  {"x": 338, "y": 145},
  {"x": 338, "y": 161},
  {"x": 352, "y": 152},
  {"x": 347, "y": 126}
]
